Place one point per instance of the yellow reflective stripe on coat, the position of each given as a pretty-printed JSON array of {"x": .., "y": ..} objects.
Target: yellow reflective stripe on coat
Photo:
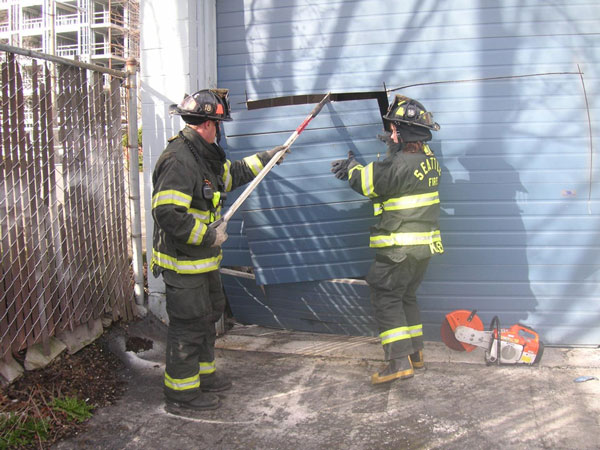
[
  {"x": 207, "y": 367},
  {"x": 366, "y": 179},
  {"x": 411, "y": 201},
  {"x": 377, "y": 209},
  {"x": 400, "y": 333},
  {"x": 227, "y": 178},
  {"x": 182, "y": 384},
  {"x": 388, "y": 240},
  {"x": 171, "y": 197},
  {"x": 358, "y": 167},
  {"x": 202, "y": 216},
  {"x": 206, "y": 216},
  {"x": 253, "y": 162},
  {"x": 197, "y": 233},
  {"x": 186, "y": 266}
]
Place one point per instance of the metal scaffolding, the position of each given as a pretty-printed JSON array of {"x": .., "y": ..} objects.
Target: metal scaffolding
[{"x": 102, "y": 32}]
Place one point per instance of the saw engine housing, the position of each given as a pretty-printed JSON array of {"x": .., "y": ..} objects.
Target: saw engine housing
[
  {"x": 462, "y": 330},
  {"x": 518, "y": 345}
]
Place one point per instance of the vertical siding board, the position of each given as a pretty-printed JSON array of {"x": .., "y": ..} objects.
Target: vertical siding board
[
  {"x": 25, "y": 194},
  {"x": 15, "y": 207},
  {"x": 126, "y": 285},
  {"x": 47, "y": 187},
  {"x": 54, "y": 218},
  {"x": 9, "y": 260},
  {"x": 69, "y": 238},
  {"x": 43, "y": 295}
]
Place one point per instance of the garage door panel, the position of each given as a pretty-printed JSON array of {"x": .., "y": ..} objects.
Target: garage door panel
[{"x": 519, "y": 187}]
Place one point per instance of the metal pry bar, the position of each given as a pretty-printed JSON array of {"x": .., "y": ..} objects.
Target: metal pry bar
[
  {"x": 303, "y": 99},
  {"x": 265, "y": 170}
]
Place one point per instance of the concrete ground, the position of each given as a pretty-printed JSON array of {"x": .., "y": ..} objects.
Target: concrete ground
[{"x": 311, "y": 391}]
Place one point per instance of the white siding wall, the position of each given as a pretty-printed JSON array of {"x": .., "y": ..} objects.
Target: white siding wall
[{"x": 178, "y": 56}]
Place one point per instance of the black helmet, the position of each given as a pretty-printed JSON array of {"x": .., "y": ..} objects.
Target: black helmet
[
  {"x": 207, "y": 104},
  {"x": 405, "y": 110}
]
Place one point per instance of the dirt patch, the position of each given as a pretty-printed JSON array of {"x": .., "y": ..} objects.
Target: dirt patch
[
  {"x": 137, "y": 344},
  {"x": 90, "y": 375}
]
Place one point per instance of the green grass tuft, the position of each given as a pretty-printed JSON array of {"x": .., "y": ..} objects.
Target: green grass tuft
[
  {"x": 73, "y": 407},
  {"x": 22, "y": 430}
]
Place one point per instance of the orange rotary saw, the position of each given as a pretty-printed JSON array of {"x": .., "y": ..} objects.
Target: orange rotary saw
[{"x": 463, "y": 331}]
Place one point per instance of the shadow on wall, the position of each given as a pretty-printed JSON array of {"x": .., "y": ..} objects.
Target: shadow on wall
[{"x": 485, "y": 240}]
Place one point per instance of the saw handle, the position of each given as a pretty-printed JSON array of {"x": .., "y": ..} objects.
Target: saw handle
[
  {"x": 526, "y": 333},
  {"x": 498, "y": 340}
]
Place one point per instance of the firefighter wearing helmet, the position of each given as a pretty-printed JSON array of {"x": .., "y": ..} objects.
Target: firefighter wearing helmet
[
  {"x": 404, "y": 191},
  {"x": 190, "y": 182}
]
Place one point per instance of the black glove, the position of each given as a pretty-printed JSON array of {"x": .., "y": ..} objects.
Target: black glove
[
  {"x": 340, "y": 167},
  {"x": 276, "y": 150}
]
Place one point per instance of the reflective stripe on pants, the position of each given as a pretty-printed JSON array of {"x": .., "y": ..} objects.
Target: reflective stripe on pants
[
  {"x": 393, "y": 297},
  {"x": 191, "y": 335}
]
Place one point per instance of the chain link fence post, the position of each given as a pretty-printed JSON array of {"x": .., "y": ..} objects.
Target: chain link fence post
[{"x": 134, "y": 182}]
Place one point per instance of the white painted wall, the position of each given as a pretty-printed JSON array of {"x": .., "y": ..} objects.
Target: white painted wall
[{"x": 178, "y": 56}]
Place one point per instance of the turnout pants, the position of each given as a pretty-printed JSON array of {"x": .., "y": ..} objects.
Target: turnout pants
[
  {"x": 193, "y": 307},
  {"x": 394, "y": 300}
]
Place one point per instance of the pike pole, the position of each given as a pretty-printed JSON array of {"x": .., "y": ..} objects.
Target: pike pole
[{"x": 265, "y": 170}]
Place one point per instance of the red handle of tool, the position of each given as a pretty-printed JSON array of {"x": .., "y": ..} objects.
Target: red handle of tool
[{"x": 316, "y": 110}]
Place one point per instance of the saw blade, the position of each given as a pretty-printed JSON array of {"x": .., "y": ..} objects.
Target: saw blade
[{"x": 449, "y": 338}]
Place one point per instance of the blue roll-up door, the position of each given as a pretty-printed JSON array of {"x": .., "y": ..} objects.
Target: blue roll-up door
[{"x": 514, "y": 86}]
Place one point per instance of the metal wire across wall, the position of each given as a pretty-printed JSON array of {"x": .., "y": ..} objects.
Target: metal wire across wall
[{"x": 64, "y": 253}]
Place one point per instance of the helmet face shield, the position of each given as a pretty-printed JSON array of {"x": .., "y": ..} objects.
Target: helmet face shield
[
  {"x": 411, "y": 112},
  {"x": 426, "y": 119},
  {"x": 207, "y": 104},
  {"x": 188, "y": 103}
]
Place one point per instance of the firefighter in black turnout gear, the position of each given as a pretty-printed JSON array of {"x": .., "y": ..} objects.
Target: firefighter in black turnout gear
[
  {"x": 190, "y": 181},
  {"x": 404, "y": 191}
]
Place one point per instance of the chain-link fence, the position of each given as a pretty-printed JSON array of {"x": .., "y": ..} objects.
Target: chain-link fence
[{"x": 64, "y": 252}]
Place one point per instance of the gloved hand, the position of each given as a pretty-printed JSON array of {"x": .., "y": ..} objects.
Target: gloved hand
[
  {"x": 340, "y": 167},
  {"x": 221, "y": 235},
  {"x": 276, "y": 150}
]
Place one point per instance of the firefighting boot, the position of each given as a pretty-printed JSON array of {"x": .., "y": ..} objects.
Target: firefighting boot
[
  {"x": 400, "y": 368},
  {"x": 417, "y": 360},
  {"x": 202, "y": 402},
  {"x": 214, "y": 383}
]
